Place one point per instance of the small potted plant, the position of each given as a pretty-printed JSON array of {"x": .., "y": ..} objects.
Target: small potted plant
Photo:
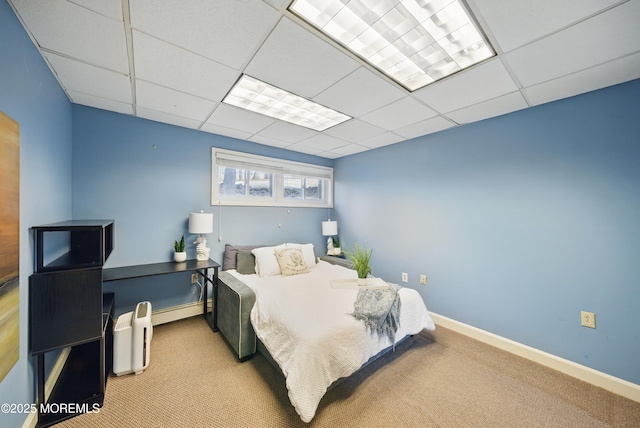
[
  {"x": 336, "y": 245},
  {"x": 360, "y": 259},
  {"x": 180, "y": 254}
]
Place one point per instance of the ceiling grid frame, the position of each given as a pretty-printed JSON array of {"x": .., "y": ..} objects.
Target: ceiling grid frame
[{"x": 50, "y": 24}]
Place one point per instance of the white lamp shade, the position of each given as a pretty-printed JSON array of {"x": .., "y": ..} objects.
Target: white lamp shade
[
  {"x": 200, "y": 223},
  {"x": 329, "y": 228}
]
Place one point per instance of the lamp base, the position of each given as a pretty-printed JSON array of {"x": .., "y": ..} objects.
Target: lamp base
[
  {"x": 202, "y": 252},
  {"x": 330, "y": 246}
]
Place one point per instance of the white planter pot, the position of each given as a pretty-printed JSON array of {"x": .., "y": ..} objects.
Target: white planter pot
[
  {"x": 180, "y": 256},
  {"x": 362, "y": 281}
]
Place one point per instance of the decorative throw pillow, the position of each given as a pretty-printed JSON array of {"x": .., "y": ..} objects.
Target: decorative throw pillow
[
  {"x": 266, "y": 261},
  {"x": 231, "y": 254},
  {"x": 246, "y": 262},
  {"x": 291, "y": 261},
  {"x": 308, "y": 252}
]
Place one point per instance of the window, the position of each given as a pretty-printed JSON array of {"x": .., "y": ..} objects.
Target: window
[
  {"x": 240, "y": 183},
  {"x": 245, "y": 179}
]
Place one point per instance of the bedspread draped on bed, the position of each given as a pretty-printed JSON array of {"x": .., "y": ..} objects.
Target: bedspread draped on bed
[{"x": 307, "y": 327}]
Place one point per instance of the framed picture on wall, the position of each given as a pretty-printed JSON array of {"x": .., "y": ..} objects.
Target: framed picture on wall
[{"x": 10, "y": 248}]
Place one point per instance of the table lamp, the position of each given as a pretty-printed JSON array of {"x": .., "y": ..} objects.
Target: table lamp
[
  {"x": 200, "y": 224},
  {"x": 330, "y": 229}
]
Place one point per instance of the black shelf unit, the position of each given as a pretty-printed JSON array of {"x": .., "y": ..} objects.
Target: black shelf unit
[
  {"x": 88, "y": 244},
  {"x": 67, "y": 309}
]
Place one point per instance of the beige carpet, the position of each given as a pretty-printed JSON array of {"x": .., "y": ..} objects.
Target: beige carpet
[{"x": 438, "y": 379}]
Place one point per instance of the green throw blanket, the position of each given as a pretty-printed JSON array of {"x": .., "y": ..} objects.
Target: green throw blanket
[{"x": 379, "y": 310}]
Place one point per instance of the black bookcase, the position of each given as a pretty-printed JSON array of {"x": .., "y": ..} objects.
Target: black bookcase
[
  {"x": 76, "y": 243},
  {"x": 67, "y": 309}
]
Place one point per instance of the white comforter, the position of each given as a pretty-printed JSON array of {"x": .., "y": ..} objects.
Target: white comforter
[{"x": 306, "y": 326}]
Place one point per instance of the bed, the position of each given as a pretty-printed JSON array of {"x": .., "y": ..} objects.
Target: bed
[{"x": 304, "y": 319}]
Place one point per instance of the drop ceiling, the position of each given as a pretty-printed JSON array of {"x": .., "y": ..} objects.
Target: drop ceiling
[{"x": 173, "y": 61}]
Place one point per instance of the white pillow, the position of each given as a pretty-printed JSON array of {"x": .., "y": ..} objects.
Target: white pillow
[
  {"x": 266, "y": 260},
  {"x": 308, "y": 253}
]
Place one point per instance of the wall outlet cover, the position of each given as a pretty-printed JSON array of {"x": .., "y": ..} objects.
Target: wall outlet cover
[{"x": 588, "y": 319}]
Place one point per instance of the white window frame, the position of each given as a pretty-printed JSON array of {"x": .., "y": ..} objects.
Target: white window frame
[{"x": 278, "y": 167}]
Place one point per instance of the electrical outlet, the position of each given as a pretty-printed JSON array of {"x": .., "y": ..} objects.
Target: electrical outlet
[
  {"x": 194, "y": 278},
  {"x": 423, "y": 279},
  {"x": 405, "y": 277},
  {"x": 588, "y": 319}
]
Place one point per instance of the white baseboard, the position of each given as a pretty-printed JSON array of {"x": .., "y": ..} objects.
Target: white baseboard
[{"x": 578, "y": 371}]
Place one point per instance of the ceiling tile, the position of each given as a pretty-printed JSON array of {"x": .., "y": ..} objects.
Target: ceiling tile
[
  {"x": 109, "y": 8},
  {"x": 274, "y": 142},
  {"x": 172, "y": 102},
  {"x": 605, "y": 37},
  {"x": 304, "y": 149},
  {"x": 425, "y": 127},
  {"x": 485, "y": 81},
  {"x": 75, "y": 31},
  {"x": 240, "y": 119},
  {"x": 228, "y": 132},
  {"x": 515, "y": 23},
  {"x": 354, "y": 130},
  {"x": 381, "y": 140},
  {"x": 298, "y": 61},
  {"x": 160, "y": 116},
  {"x": 349, "y": 149},
  {"x": 81, "y": 77},
  {"x": 611, "y": 73},
  {"x": 360, "y": 92},
  {"x": 322, "y": 142},
  {"x": 226, "y": 31},
  {"x": 279, "y": 4},
  {"x": 399, "y": 114},
  {"x": 491, "y": 108},
  {"x": 101, "y": 103},
  {"x": 329, "y": 155},
  {"x": 285, "y": 131},
  {"x": 167, "y": 65}
]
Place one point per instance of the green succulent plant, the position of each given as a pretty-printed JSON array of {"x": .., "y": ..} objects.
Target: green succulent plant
[{"x": 179, "y": 246}]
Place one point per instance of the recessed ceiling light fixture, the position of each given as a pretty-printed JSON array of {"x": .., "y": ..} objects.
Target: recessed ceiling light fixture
[
  {"x": 255, "y": 95},
  {"x": 414, "y": 42}
]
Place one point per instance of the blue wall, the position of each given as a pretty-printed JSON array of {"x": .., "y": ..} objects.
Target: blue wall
[
  {"x": 519, "y": 222},
  {"x": 31, "y": 96},
  {"x": 148, "y": 177}
]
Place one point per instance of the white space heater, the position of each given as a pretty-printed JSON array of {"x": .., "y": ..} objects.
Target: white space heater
[{"x": 132, "y": 340}]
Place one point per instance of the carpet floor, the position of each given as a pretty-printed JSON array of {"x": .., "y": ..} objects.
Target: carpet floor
[{"x": 433, "y": 379}]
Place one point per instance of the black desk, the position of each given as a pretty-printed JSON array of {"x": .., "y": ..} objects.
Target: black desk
[{"x": 200, "y": 266}]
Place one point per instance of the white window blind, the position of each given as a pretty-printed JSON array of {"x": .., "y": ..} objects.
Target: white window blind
[{"x": 282, "y": 170}]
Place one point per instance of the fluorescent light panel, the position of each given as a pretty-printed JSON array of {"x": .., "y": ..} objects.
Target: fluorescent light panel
[
  {"x": 414, "y": 42},
  {"x": 252, "y": 94}
]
